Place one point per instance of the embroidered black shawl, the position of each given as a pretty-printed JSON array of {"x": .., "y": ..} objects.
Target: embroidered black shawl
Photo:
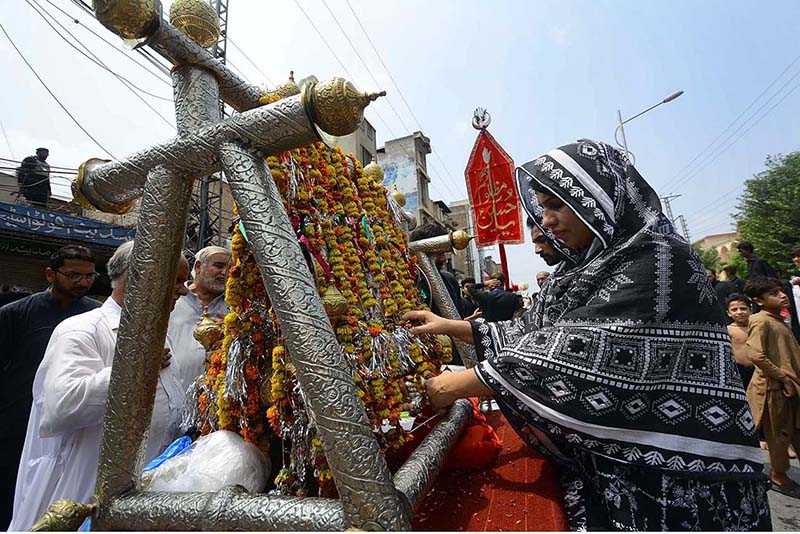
[{"x": 625, "y": 355}]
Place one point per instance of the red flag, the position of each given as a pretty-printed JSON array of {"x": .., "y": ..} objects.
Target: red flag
[{"x": 493, "y": 197}]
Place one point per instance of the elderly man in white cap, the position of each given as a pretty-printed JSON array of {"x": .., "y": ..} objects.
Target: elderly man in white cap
[{"x": 207, "y": 289}]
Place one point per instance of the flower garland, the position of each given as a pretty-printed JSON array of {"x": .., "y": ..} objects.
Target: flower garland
[{"x": 354, "y": 246}]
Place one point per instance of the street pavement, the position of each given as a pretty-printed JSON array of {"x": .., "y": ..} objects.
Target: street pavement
[{"x": 785, "y": 509}]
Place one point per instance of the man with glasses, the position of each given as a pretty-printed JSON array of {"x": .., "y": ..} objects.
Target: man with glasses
[
  {"x": 70, "y": 389},
  {"x": 25, "y": 328}
]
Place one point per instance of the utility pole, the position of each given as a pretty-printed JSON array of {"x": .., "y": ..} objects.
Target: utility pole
[
  {"x": 668, "y": 208},
  {"x": 205, "y": 214},
  {"x": 685, "y": 228}
]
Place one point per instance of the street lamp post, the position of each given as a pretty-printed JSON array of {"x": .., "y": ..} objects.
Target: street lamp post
[{"x": 621, "y": 125}]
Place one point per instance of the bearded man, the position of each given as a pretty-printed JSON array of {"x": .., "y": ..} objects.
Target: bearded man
[{"x": 207, "y": 289}]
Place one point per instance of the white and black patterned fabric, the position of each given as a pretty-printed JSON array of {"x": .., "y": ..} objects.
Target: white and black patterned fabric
[{"x": 625, "y": 363}]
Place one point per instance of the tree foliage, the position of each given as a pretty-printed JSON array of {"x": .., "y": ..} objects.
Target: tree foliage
[
  {"x": 768, "y": 214},
  {"x": 709, "y": 257}
]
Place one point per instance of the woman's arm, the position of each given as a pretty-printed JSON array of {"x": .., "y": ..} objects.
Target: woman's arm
[{"x": 445, "y": 389}]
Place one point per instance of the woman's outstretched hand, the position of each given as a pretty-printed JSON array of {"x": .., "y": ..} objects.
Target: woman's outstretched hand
[{"x": 430, "y": 323}]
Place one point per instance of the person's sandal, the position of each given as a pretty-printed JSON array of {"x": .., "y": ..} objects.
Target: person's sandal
[{"x": 791, "y": 488}]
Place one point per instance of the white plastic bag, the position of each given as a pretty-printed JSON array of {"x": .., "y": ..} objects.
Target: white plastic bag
[{"x": 214, "y": 461}]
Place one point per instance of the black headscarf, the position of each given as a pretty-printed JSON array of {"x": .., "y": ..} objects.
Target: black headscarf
[{"x": 626, "y": 354}]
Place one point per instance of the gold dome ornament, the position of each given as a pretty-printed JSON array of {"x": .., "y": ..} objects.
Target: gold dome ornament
[
  {"x": 337, "y": 106},
  {"x": 129, "y": 19},
  {"x": 398, "y": 197},
  {"x": 460, "y": 239},
  {"x": 208, "y": 331},
  {"x": 197, "y": 20},
  {"x": 335, "y": 304},
  {"x": 290, "y": 88},
  {"x": 374, "y": 172}
]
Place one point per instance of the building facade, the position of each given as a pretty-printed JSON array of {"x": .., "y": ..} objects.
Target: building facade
[
  {"x": 405, "y": 166},
  {"x": 724, "y": 244},
  {"x": 465, "y": 262},
  {"x": 30, "y": 234},
  {"x": 361, "y": 143}
]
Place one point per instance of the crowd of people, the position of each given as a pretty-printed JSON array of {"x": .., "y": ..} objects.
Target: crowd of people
[
  {"x": 57, "y": 365},
  {"x": 622, "y": 368}
]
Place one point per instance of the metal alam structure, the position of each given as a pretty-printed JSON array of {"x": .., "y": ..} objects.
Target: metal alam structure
[
  {"x": 164, "y": 175},
  {"x": 205, "y": 216}
]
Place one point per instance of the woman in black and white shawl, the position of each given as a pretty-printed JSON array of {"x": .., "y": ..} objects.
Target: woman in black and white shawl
[{"x": 623, "y": 371}]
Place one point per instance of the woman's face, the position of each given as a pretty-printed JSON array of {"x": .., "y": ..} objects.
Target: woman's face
[{"x": 563, "y": 222}]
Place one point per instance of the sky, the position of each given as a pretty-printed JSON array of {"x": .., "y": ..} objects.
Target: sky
[{"x": 548, "y": 72}]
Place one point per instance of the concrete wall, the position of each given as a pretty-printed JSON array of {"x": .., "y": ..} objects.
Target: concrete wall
[{"x": 360, "y": 143}]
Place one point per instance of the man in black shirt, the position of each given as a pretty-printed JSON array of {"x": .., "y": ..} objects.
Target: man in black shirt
[
  {"x": 496, "y": 304},
  {"x": 25, "y": 328},
  {"x": 470, "y": 307},
  {"x": 33, "y": 177},
  {"x": 756, "y": 267}
]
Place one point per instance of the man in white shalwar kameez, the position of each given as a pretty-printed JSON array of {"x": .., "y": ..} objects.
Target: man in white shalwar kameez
[{"x": 62, "y": 445}]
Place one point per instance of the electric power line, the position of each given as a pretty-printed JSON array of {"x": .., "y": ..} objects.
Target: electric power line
[
  {"x": 677, "y": 178},
  {"x": 377, "y": 84},
  {"x": 77, "y": 123},
  {"x": 253, "y": 63},
  {"x": 364, "y": 63},
  {"x": 159, "y": 77},
  {"x": 71, "y": 169},
  {"x": 396, "y": 86},
  {"x": 350, "y": 75},
  {"x": 94, "y": 59},
  {"x": 10, "y": 150},
  {"x": 737, "y": 188}
]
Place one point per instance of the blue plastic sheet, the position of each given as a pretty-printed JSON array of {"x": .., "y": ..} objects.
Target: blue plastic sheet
[{"x": 174, "y": 449}]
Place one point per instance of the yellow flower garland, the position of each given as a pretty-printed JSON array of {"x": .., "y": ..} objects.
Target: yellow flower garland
[{"x": 356, "y": 246}]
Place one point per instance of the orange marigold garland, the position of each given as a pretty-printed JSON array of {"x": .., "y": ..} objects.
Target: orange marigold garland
[{"x": 353, "y": 243}]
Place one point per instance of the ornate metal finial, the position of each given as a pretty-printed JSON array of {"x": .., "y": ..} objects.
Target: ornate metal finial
[
  {"x": 63, "y": 516},
  {"x": 208, "y": 331},
  {"x": 410, "y": 219},
  {"x": 290, "y": 88},
  {"x": 399, "y": 197},
  {"x": 460, "y": 239},
  {"x": 197, "y": 20},
  {"x": 337, "y": 106},
  {"x": 481, "y": 119},
  {"x": 335, "y": 304},
  {"x": 129, "y": 19},
  {"x": 79, "y": 198},
  {"x": 374, "y": 171}
]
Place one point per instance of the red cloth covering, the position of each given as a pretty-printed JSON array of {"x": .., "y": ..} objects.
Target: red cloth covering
[
  {"x": 519, "y": 492},
  {"x": 478, "y": 445}
]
